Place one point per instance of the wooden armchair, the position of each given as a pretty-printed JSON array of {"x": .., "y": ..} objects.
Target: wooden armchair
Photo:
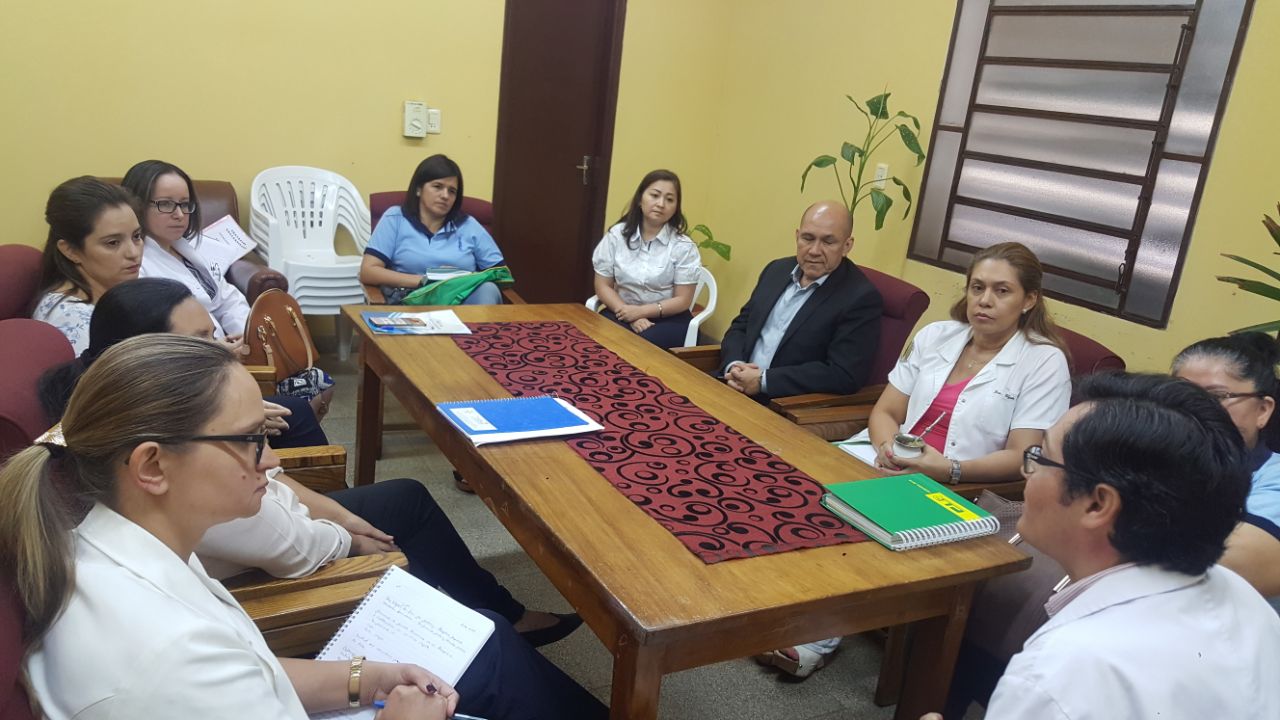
[{"x": 835, "y": 417}]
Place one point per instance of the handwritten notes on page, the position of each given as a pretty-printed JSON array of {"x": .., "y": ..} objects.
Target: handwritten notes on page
[{"x": 404, "y": 620}]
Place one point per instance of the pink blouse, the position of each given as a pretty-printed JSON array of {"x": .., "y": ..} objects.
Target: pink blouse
[{"x": 944, "y": 402}]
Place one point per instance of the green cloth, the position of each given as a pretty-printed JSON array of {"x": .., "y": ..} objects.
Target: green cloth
[{"x": 456, "y": 289}]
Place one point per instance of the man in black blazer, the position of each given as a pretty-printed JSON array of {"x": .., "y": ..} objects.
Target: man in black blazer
[{"x": 812, "y": 323}]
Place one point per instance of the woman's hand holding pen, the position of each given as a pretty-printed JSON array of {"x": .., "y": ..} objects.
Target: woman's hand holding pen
[{"x": 391, "y": 683}]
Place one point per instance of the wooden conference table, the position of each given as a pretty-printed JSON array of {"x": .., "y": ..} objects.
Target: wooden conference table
[{"x": 654, "y": 605}]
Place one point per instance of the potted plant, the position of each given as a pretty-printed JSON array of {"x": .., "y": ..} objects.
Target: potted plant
[
  {"x": 881, "y": 126},
  {"x": 1258, "y": 287}
]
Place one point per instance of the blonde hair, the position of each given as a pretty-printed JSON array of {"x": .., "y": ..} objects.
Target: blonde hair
[
  {"x": 1036, "y": 323},
  {"x": 151, "y": 387}
]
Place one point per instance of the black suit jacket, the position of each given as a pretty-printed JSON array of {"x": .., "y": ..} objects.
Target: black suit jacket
[{"x": 831, "y": 343}]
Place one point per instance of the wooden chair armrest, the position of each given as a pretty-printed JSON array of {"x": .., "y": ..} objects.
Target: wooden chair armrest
[
  {"x": 265, "y": 376},
  {"x": 512, "y": 297},
  {"x": 702, "y": 357},
  {"x": 258, "y": 584},
  {"x": 373, "y": 294},
  {"x": 866, "y": 396},
  {"x": 322, "y": 468}
]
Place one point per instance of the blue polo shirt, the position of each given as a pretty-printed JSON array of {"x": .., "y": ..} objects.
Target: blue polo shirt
[
  {"x": 408, "y": 248},
  {"x": 1262, "y": 507}
]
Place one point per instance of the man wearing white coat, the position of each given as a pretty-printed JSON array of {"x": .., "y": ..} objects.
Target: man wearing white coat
[{"x": 1134, "y": 492}]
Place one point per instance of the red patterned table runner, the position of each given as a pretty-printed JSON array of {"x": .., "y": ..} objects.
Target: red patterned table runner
[{"x": 721, "y": 494}]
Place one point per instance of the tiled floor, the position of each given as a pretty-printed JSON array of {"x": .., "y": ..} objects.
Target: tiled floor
[{"x": 732, "y": 690}]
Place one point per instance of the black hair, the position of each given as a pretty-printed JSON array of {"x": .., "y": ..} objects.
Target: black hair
[
  {"x": 631, "y": 218},
  {"x": 433, "y": 168},
  {"x": 141, "y": 181},
  {"x": 1251, "y": 357},
  {"x": 72, "y": 210},
  {"x": 1176, "y": 460},
  {"x": 134, "y": 307}
]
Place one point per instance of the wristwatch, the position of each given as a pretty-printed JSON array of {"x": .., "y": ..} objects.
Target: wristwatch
[
  {"x": 955, "y": 473},
  {"x": 353, "y": 682}
]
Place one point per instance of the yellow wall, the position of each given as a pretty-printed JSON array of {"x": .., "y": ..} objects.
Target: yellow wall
[
  {"x": 91, "y": 88},
  {"x": 777, "y": 83},
  {"x": 735, "y": 95}
]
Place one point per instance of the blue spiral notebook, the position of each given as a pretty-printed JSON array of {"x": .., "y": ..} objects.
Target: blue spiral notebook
[{"x": 523, "y": 418}]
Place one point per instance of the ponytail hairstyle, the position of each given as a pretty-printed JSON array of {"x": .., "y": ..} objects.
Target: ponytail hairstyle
[
  {"x": 141, "y": 181},
  {"x": 134, "y": 307},
  {"x": 72, "y": 211},
  {"x": 1250, "y": 357},
  {"x": 631, "y": 219},
  {"x": 1036, "y": 323},
  {"x": 146, "y": 388}
]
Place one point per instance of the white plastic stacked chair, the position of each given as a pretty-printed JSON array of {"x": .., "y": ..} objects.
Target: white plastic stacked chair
[
  {"x": 705, "y": 280},
  {"x": 296, "y": 212}
]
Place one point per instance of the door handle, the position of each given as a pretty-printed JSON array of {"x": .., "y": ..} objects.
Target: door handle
[{"x": 585, "y": 167}]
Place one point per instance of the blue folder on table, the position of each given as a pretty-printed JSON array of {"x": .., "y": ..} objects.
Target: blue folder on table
[{"x": 524, "y": 418}]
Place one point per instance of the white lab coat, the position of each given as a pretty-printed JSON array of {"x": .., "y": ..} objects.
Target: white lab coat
[
  {"x": 148, "y": 635},
  {"x": 1026, "y": 386},
  {"x": 282, "y": 539},
  {"x": 1150, "y": 643},
  {"x": 228, "y": 306}
]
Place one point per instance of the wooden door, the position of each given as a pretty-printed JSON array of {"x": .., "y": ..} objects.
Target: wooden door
[{"x": 559, "y": 89}]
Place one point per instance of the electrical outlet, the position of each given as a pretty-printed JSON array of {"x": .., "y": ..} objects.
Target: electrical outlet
[
  {"x": 415, "y": 119},
  {"x": 882, "y": 172},
  {"x": 433, "y": 121}
]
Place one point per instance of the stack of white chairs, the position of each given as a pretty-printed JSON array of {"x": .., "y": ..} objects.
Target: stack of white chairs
[{"x": 296, "y": 212}]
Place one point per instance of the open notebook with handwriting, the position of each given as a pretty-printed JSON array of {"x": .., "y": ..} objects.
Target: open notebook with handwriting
[{"x": 405, "y": 620}]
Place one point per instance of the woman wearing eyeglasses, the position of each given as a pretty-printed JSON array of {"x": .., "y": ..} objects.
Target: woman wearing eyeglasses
[
  {"x": 1240, "y": 370},
  {"x": 171, "y": 221},
  {"x": 162, "y": 440}
]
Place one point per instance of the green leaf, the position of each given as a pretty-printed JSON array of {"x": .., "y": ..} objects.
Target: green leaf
[
  {"x": 718, "y": 248},
  {"x": 1256, "y": 266},
  {"x": 821, "y": 161},
  {"x": 882, "y": 202},
  {"x": 878, "y": 106},
  {"x": 906, "y": 195},
  {"x": 914, "y": 120},
  {"x": 1272, "y": 227},
  {"x": 855, "y": 104},
  {"x": 849, "y": 152},
  {"x": 1266, "y": 327},
  {"x": 1253, "y": 286},
  {"x": 913, "y": 144}
]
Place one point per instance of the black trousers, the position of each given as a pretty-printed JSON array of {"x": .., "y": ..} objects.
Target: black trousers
[
  {"x": 666, "y": 333},
  {"x": 509, "y": 680},
  {"x": 304, "y": 429},
  {"x": 405, "y": 510}
]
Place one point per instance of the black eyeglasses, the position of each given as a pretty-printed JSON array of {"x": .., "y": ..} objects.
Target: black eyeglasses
[
  {"x": 1223, "y": 395},
  {"x": 1033, "y": 456},
  {"x": 168, "y": 206},
  {"x": 259, "y": 439}
]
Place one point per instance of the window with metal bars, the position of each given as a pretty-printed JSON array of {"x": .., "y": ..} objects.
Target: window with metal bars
[{"x": 1082, "y": 129}]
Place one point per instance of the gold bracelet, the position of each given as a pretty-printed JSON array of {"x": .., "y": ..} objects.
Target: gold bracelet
[
  {"x": 659, "y": 303},
  {"x": 353, "y": 682}
]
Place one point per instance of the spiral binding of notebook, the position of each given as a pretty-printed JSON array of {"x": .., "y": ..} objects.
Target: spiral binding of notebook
[
  {"x": 518, "y": 418},
  {"x": 939, "y": 534},
  {"x": 324, "y": 652}
]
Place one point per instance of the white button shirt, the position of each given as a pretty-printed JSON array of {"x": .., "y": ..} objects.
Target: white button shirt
[
  {"x": 1026, "y": 386},
  {"x": 147, "y": 635},
  {"x": 1149, "y": 643},
  {"x": 647, "y": 272}
]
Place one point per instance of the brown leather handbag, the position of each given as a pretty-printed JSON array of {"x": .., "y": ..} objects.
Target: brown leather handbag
[{"x": 277, "y": 335}]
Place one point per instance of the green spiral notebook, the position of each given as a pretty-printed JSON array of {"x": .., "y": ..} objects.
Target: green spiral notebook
[{"x": 903, "y": 512}]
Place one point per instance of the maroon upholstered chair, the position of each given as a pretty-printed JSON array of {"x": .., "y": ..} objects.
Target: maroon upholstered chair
[
  {"x": 14, "y": 703},
  {"x": 1087, "y": 356},
  {"x": 481, "y": 210},
  {"x": 836, "y": 417},
  {"x": 19, "y": 274},
  {"x": 27, "y": 349}
]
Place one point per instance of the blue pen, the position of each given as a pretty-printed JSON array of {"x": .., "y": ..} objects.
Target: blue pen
[{"x": 379, "y": 704}]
